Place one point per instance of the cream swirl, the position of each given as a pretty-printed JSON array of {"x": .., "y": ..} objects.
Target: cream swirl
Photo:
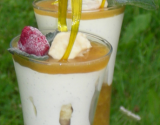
[{"x": 60, "y": 44}]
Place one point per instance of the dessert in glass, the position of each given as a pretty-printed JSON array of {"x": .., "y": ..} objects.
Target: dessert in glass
[
  {"x": 58, "y": 92},
  {"x": 105, "y": 22}
]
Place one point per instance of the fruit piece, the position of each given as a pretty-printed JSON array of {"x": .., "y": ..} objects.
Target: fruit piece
[
  {"x": 66, "y": 111},
  {"x": 32, "y": 41},
  {"x": 65, "y": 114}
]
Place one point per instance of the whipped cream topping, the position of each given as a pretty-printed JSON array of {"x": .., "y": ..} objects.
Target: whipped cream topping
[
  {"x": 60, "y": 43},
  {"x": 89, "y": 4}
]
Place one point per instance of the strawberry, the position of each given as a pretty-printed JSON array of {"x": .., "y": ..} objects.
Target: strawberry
[{"x": 32, "y": 41}]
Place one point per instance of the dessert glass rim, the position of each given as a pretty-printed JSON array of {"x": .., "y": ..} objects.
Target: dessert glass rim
[
  {"x": 70, "y": 11},
  {"x": 104, "y": 41}
]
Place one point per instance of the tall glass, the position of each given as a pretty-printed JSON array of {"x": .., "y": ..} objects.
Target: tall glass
[
  {"x": 61, "y": 93},
  {"x": 104, "y": 22}
]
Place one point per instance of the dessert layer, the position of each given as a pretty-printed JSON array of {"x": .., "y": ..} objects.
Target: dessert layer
[
  {"x": 44, "y": 96},
  {"x": 48, "y": 9},
  {"x": 92, "y": 60}
]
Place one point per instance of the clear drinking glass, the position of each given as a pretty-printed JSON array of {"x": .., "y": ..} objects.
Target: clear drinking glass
[
  {"x": 60, "y": 93},
  {"x": 104, "y": 22}
]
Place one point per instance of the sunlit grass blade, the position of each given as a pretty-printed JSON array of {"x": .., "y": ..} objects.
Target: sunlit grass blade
[
  {"x": 62, "y": 14},
  {"x": 76, "y": 16}
]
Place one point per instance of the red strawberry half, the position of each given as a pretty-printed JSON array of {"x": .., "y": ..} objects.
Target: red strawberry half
[{"x": 32, "y": 41}]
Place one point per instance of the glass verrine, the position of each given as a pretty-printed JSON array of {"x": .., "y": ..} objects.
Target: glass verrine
[
  {"x": 61, "y": 93},
  {"x": 105, "y": 22}
]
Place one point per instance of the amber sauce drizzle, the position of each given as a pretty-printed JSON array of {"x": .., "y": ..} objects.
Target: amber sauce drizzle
[
  {"x": 62, "y": 25},
  {"x": 103, "y": 3},
  {"x": 62, "y": 13},
  {"x": 76, "y": 16}
]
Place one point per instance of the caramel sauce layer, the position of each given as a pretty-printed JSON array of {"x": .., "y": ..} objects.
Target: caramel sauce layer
[
  {"x": 48, "y": 9},
  {"x": 93, "y": 60},
  {"x": 103, "y": 106}
]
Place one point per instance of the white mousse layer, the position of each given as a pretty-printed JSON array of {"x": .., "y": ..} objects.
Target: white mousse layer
[
  {"x": 43, "y": 95},
  {"x": 109, "y": 28}
]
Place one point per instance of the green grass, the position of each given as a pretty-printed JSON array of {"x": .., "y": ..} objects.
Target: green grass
[{"x": 136, "y": 84}]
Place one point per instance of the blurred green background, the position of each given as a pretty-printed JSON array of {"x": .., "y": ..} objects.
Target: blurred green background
[{"x": 136, "y": 84}]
